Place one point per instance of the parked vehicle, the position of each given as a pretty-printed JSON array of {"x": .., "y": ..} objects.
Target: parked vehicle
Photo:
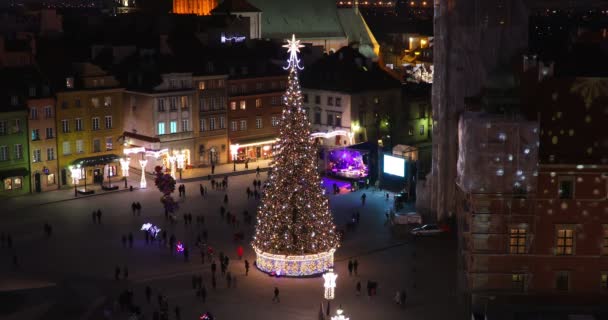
[{"x": 427, "y": 230}]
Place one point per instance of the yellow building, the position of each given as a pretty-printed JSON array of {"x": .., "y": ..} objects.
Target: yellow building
[
  {"x": 89, "y": 123},
  {"x": 198, "y": 7}
]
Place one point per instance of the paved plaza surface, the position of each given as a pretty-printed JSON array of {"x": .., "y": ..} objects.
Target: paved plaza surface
[{"x": 71, "y": 274}]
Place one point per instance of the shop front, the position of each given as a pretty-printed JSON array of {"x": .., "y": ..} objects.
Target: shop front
[
  {"x": 97, "y": 170},
  {"x": 251, "y": 150},
  {"x": 15, "y": 181}
]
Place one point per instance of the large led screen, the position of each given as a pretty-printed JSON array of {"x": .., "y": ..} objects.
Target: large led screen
[{"x": 394, "y": 166}]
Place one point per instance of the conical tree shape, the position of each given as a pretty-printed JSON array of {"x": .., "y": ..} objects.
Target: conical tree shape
[{"x": 294, "y": 216}]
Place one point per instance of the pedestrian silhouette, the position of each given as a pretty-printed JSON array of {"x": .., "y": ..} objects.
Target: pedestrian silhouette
[{"x": 276, "y": 295}]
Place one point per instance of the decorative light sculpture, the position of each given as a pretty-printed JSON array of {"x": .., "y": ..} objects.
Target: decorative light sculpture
[
  {"x": 295, "y": 234},
  {"x": 142, "y": 183},
  {"x": 124, "y": 166},
  {"x": 172, "y": 160},
  {"x": 329, "y": 284},
  {"x": 339, "y": 315}
]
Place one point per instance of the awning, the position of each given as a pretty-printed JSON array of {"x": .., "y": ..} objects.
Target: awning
[
  {"x": 254, "y": 142},
  {"x": 97, "y": 160},
  {"x": 16, "y": 172}
]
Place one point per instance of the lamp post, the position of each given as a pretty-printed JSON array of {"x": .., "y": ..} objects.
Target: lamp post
[
  {"x": 75, "y": 171},
  {"x": 180, "y": 158},
  {"x": 339, "y": 315},
  {"x": 124, "y": 166},
  {"x": 142, "y": 182},
  {"x": 330, "y": 286},
  {"x": 234, "y": 151}
]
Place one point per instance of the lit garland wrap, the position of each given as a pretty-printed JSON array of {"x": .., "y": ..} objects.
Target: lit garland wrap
[{"x": 295, "y": 234}]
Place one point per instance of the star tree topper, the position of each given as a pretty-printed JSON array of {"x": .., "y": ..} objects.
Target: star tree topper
[{"x": 293, "y": 47}]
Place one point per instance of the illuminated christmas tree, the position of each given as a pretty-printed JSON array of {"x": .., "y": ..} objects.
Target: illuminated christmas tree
[{"x": 295, "y": 233}]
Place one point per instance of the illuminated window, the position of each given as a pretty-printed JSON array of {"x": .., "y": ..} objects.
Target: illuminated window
[
  {"x": 50, "y": 179},
  {"x": 232, "y": 105},
  {"x": 161, "y": 128},
  {"x": 184, "y": 102},
  {"x": 517, "y": 240},
  {"x": 201, "y": 85},
  {"x": 173, "y": 126},
  {"x": 275, "y": 121},
  {"x": 258, "y": 123},
  {"x": 564, "y": 244},
  {"x": 95, "y": 102},
  {"x": 35, "y": 134},
  {"x": 36, "y": 155},
  {"x": 108, "y": 122},
  {"x": 517, "y": 280},
  {"x": 604, "y": 281},
  {"x": 258, "y": 103},
  {"x": 8, "y": 184},
  {"x": 79, "y": 146},
  {"x": 107, "y": 101},
  {"x": 566, "y": 187},
  {"x": 109, "y": 143},
  {"x": 69, "y": 83},
  {"x": 243, "y": 104}
]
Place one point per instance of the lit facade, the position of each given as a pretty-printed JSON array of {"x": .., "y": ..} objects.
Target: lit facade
[
  {"x": 89, "y": 121},
  {"x": 14, "y": 151},
  {"x": 198, "y": 7},
  {"x": 43, "y": 142},
  {"x": 330, "y": 118},
  {"x": 211, "y": 119}
]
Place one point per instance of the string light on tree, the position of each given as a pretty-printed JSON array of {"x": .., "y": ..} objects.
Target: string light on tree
[{"x": 295, "y": 233}]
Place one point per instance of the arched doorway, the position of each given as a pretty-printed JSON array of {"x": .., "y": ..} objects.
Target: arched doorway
[
  {"x": 212, "y": 156},
  {"x": 37, "y": 186}
]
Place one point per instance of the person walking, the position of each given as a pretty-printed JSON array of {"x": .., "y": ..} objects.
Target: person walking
[
  {"x": 226, "y": 198},
  {"x": 257, "y": 171},
  {"x": 203, "y": 294},
  {"x": 125, "y": 272},
  {"x": 246, "y": 267},
  {"x": 358, "y": 288},
  {"x": 355, "y": 266},
  {"x": 213, "y": 169},
  {"x": 397, "y": 297},
  {"x": 213, "y": 268},
  {"x": 177, "y": 313},
  {"x": 130, "y": 240},
  {"x": 276, "y": 295},
  {"x": 402, "y": 298},
  {"x": 99, "y": 216},
  {"x": 350, "y": 267},
  {"x": 363, "y": 196}
]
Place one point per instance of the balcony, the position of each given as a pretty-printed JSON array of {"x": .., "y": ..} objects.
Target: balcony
[{"x": 176, "y": 136}]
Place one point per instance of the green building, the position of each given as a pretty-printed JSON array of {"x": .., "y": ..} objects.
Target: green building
[{"x": 14, "y": 148}]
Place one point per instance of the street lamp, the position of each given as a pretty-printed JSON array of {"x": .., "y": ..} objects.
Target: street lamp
[
  {"x": 339, "y": 315},
  {"x": 234, "y": 151},
  {"x": 124, "y": 166},
  {"x": 76, "y": 173},
  {"x": 329, "y": 285},
  {"x": 142, "y": 182}
]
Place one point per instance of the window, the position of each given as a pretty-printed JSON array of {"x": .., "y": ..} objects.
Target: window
[
  {"x": 243, "y": 125},
  {"x": 421, "y": 112},
  {"x": 2, "y": 127},
  {"x": 79, "y": 146},
  {"x": 222, "y": 122},
  {"x": 161, "y": 128},
  {"x": 14, "y": 100},
  {"x": 161, "y": 105},
  {"x": 243, "y": 88},
  {"x": 330, "y": 119},
  {"x": 233, "y": 125},
  {"x": 604, "y": 281},
  {"x": 18, "y": 151},
  {"x": 203, "y": 124},
  {"x": 562, "y": 280},
  {"x": 212, "y": 123},
  {"x": 605, "y": 239},
  {"x": 564, "y": 240},
  {"x": 203, "y": 105},
  {"x": 338, "y": 121},
  {"x": 172, "y": 84},
  {"x": 17, "y": 126},
  {"x": 64, "y": 105},
  {"x": 33, "y": 113},
  {"x": 258, "y": 123},
  {"x": 108, "y": 122},
  {"x": 49, "y": 133},
  {"x": 78, "y": 124},
  {"x": 107, "y": 101},
  {"x": 3, "y": 153},
  {"x": 305, "y": 97},
  {"x": 109, "y": 143},
  {"x": 201, "y": 85},
  {"x": 233, "y": 89},
  {"x": 77, "y": 102},
  {"x": 32, "y": 91},
  {"x": 35, "y": 134},
  {"x": 184, "y": 102},
  {"x": 220, "y": 83},
  {"x": 330, "y": 101},
  {"x": 37, "y": 156},
  {"x": 50, "y": 153},
  {"x": 517, "y": 240},
  {"x": 338, "y": 102},
  {"x": 232, "y": 105},
  {"x": 69, "y": 83},
  {"x": 8, "y": 184},
  {"x": 517, "y": 280},
  {"x": 173, "y": 104},
  {"x": 95, "y": 123},
  {"x": 318, "y": 117},
  {"x": 185, "y": 125},
  {"x": 95, "y": 102},
  {"x": 317, "y": 99},
  {"x": 566, "y": 187},
  {"x": 259, "y": 86},
  {"x": 96, "y": 145},
  {"x": 13, "y": 183},
  {"x": 243, "y": 104},
  {"x": 258, "y": 103},
  {"x": 421, "y": 130},
  {"x": 65, "y": 126},
  {"x": 48, "y": 112},
  {"x": 274, "y": 121},
  {"x": 66, "y": 148},
  {"x": 376, "y": 100},
  {"x": 173, "y": 126},
  {"x": 275, "y": 101},
  {"x": 50, "y": 179}
]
